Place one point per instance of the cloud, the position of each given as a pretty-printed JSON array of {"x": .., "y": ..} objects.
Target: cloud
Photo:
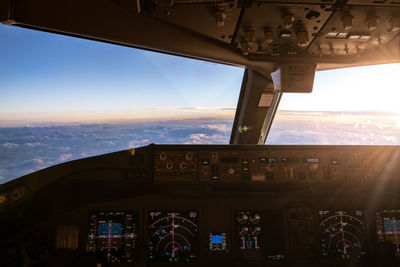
[
  {"x": 219, "y": 127},
  {"x": 2, "y": 178},
  {"x": 109, "y": 143},
  {"x": 65, "y": 157},
  {"x": 201, "y": 138},
  {"x": 10, "y": 145},
  {"x": 138, "y": 142},
  {"x": 38, "y": 161},
  {"x": 32, "y": 144}
]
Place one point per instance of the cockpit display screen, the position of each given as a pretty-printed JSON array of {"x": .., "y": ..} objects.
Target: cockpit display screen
[
  {"x": 260, "y": 235},
  {"x": 112, "y": 235},
  {"x": 109, "y": 229},
  {"x": 173, "y": 236},
  {"x": 217, "y": 242},
  {"x": 388, "y": 228},
  {"x": 342, "y": 234}
]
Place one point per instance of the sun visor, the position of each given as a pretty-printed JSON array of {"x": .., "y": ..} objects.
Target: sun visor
[{"x": 294, "y": 78}]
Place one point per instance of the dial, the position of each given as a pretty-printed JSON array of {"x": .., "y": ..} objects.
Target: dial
[
  {"x": 173, "y": 236},
  {"x": 342, "y": 233}
]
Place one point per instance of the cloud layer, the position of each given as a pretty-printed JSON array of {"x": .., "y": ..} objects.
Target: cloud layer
[{"x": 27, "y": 149}]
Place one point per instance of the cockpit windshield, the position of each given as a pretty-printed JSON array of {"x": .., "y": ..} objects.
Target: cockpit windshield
[
  {"x": 64, "y": 98},
  {"x": 354, "y": 106}
]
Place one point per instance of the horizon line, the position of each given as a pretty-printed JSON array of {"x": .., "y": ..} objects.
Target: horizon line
[{"x": 227, "y": 115}]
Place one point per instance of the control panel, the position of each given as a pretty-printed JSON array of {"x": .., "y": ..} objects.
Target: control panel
[
  {"x": 210, "y": 206},
  {"x": 273, "y": 165}
]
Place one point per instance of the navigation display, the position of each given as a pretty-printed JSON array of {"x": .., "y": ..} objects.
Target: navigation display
[
  {"x": 342, "y": 233},
  {"x": 388, "y": 228},
  {"x": 173, "y": 236},
  {"x": 112, "y": 235},
  {"x": 260, "y": 235}
]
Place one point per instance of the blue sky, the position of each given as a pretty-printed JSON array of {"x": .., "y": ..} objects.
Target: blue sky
[
  {"x": 49, "y": 77},
  {"x": 42, "y": 73}
]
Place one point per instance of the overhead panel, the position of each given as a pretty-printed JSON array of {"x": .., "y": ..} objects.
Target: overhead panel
[
  {"x": 375, "y": 2},
  {"x": 308, "y": 2},
  {"x": 281, "y": 29},
  {"x": 254, "y": 34},
  {"x": 216, "y": 21},
  {"x": 354, "y": 31}
]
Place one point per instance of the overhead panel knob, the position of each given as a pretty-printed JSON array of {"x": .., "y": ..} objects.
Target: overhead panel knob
[
  {"x": 302, "y": 39},
  {"x": 372, "y": 23},
  {"x": 288, "y": 20},
  {"x": 332, "y": 51},
  {"x": 395, "y": 24},
  {"x": 347, "y": 22},
  {"x": 250, "y": 37},
  {"x": 245, "y": 47},
  {"x": 220, "y": 16},
  {"x": 269, "y": 37}
]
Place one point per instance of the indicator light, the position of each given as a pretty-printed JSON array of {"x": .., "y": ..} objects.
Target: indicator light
[
  {"x": 342, "y": 35},
  {"x": 243, "y": 129},
  {"x": 285, "y": 34},
  {"x": 364, "y": 38},
  {"x": 331, "y": 35},
  {"x": 354, "y": 37}
]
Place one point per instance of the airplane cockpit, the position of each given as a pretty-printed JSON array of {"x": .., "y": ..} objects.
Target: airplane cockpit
[{"x": 245, "y": 203}]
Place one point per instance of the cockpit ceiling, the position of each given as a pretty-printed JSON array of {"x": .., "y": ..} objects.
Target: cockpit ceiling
[{"x": 255, "y": 34}]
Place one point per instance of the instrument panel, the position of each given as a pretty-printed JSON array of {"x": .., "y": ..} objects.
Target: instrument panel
[
  {"x": 215, "y": 206},
  {"x": 253, "y": 236}
]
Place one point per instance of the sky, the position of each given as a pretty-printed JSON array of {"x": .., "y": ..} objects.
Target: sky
[
  {"x": 53, "y": 78},
  {"x": 367, "y": 88}
]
